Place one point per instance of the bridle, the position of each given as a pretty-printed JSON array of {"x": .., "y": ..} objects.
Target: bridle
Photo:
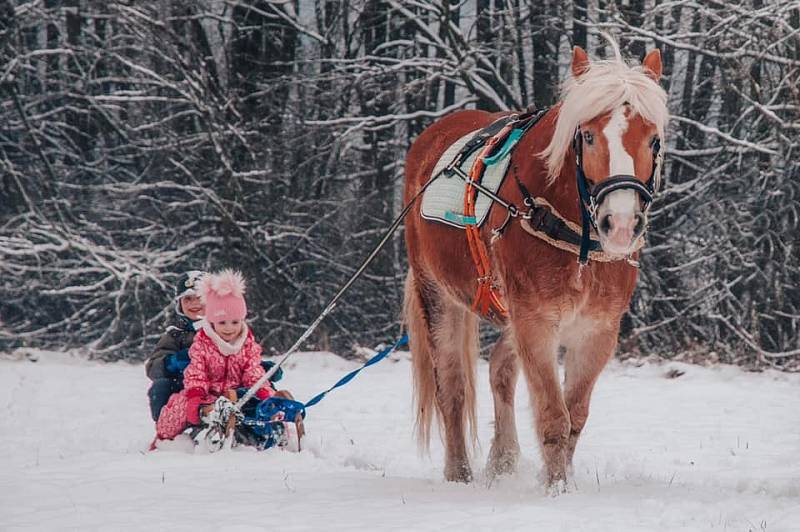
[{"x": 591, "y": 195}]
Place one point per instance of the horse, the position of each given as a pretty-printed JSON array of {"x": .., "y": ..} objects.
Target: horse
[{"x": 606, "y": 128}]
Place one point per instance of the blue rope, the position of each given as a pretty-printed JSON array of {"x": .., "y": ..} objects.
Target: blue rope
[{"x": 347, "y": 378}]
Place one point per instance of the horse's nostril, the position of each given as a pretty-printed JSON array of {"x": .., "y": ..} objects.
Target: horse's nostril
[{"x": 605, "y": 224}]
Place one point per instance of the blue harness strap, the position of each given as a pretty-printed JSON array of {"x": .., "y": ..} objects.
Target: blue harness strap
[
  {"x": 259, "y": 419},
  {"x": 269, "y": 407},
  {"x": 511, "y": 141},
  {"x": 347, "y": 378},
  {"x": 459, "y": 218}
]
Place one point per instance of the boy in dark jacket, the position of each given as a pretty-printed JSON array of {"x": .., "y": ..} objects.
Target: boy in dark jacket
[{"x": 166, "y": 363}]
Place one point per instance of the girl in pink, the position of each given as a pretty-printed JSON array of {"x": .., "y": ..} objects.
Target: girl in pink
[{"x": 223, "y": 357}]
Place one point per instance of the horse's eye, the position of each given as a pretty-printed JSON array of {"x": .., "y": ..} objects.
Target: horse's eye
[{"x": 588, "y": 138}]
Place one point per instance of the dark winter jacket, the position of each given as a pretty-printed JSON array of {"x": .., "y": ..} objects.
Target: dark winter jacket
[{"x": 178, "y": 337}]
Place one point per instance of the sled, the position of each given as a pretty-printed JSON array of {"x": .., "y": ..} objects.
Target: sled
[{"x": 273, "y": 422}]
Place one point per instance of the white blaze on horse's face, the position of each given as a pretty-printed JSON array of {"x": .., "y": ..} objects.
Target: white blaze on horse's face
[
  {"x": 620, "y": 219},
  {"x": 620, "y": 161}
]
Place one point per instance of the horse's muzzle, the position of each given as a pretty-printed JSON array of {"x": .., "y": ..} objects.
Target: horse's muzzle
[{"x": 620, "y": 223}]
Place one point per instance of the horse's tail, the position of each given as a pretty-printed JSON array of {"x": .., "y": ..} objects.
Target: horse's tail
[
  {"x": 416, "y": 318},
  {"x": 421, "y": 341},
  {"x": 469, "y": 358}
]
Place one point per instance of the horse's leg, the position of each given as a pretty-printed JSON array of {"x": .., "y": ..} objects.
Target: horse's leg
[
  {"x": 586, "y": 356},
  {"x": 455, "y": 333},
  {"x": 444, "y": 347},
  {"x": 503, "y": 372},
  {"x": 537, "y": 344}
]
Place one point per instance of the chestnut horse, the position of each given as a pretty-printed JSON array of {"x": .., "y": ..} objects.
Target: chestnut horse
[{"x": 616, "y": 115}]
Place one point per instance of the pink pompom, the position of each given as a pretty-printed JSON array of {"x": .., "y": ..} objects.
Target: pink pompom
[
  {"x": 226, "y": 282},
  {"x": 223, "y": 295}
]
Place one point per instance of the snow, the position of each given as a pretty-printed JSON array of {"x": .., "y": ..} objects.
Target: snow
[{"x": 713, "y": 449}]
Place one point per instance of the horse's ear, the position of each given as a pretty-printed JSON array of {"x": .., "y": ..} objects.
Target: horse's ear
[
  {"x": 652, "y": 64},
  {"x": 580, "y": 62}
]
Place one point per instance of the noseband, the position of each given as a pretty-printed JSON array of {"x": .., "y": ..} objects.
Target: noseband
[{"x": 591, "y": 195}]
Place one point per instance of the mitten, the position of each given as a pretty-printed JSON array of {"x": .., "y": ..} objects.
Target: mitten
[
  {"x": 265, "y": 393},
  {"x": 267, "y": 364},
  {"x": 194, "y": 399},
  {"x": 175, "y": 363}
]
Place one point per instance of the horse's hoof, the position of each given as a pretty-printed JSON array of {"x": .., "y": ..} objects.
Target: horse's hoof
[
  {"x": 459, "y": 473},
  {"x": 556, "y": 487},
  {"x": 555, "y": 480},
  {"x": 502, "y": 463}
]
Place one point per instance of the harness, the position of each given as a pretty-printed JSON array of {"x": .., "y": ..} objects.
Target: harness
[{"x": 541, "y": 219}]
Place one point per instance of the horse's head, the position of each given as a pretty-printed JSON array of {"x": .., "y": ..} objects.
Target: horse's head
[{"x": 614, "y": 117}]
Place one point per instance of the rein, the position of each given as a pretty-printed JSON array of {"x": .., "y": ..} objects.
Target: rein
[{"x": 335, "y": 299}]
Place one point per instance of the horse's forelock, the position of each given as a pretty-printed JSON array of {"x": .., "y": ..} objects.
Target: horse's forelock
[{"x": 605, "y": 86}]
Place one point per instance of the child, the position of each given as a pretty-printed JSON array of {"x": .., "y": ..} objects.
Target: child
[
  {"x": 166, "y": 363},
  {"x": 223, "y": 357}
]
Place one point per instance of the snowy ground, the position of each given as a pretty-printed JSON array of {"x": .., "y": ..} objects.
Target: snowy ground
[{"x": 715, "y": 449}]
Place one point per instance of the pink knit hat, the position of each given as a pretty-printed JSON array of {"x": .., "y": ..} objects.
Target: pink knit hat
[{"x": 223, "y": 294}]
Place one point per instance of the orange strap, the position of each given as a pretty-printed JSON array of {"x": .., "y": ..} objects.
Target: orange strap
[{"x": 487, "y": 297}]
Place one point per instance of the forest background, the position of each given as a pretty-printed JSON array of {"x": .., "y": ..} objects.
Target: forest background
[{"x": 142, "y": 139}]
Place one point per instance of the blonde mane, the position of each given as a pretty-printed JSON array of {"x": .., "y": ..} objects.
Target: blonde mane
[{"x": 603, "y": 87}]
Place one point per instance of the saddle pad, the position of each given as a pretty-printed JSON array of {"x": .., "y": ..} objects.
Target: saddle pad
[{"x": 443, "y": 201}]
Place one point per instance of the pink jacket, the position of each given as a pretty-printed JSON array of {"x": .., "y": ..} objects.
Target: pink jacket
[{"x": 210, "y": 373}]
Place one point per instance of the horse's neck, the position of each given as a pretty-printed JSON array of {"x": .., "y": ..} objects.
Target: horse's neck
[{"x": 562, "y": 193}]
